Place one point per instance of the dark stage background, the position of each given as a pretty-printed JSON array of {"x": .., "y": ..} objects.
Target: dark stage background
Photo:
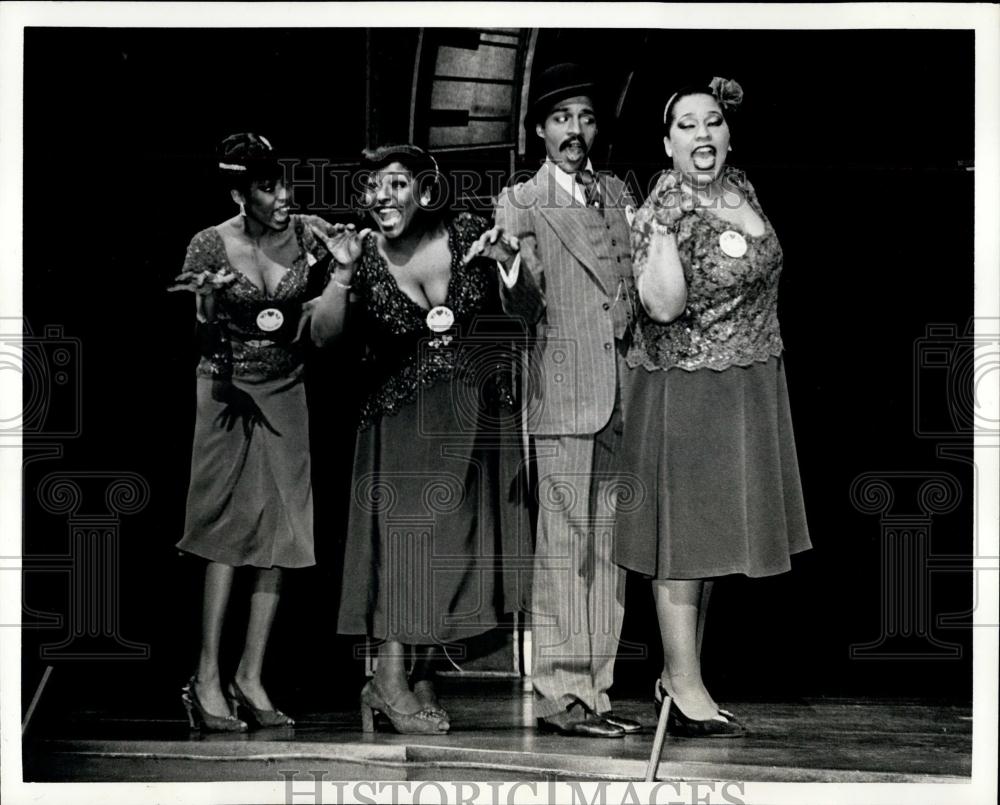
[{"x": 860, "y": 145}]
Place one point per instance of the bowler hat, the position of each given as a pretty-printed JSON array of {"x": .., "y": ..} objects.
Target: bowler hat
[{"x": 555, "y": 84}]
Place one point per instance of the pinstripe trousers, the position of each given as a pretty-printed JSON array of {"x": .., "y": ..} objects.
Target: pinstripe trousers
[{"x": 578, "y": 592}]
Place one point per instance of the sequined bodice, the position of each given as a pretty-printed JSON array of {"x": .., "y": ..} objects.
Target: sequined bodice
[
  {"x": 404, "y": 354},
  {"x": 256, "y": 328},
  {"x": 731, "y": 318}
]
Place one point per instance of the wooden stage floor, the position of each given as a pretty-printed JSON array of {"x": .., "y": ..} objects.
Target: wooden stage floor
[{"x": 493, "y": 739}]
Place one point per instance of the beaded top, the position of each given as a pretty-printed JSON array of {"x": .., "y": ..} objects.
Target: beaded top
[
  {"x": 240, "y": 347},
  {"x": 731, "y": 318},
  {"x": 405, "y": 354}
]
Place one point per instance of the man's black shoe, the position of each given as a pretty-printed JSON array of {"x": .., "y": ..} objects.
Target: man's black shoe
[{"x": 591, "y": 726}]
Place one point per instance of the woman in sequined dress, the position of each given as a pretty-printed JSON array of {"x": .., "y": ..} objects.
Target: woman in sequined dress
[
  {"x": 708, "y": 432},
  {"x": 435, "y": 497},
  {"x": 250, "y": 496}
]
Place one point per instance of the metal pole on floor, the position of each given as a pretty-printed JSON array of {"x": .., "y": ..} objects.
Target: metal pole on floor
[
  {"x": 35, "y": 699},
  {"x": 661, "y": 731}
]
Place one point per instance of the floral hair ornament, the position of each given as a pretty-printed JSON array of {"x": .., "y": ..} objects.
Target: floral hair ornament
[{"x": 726, "y": 91}]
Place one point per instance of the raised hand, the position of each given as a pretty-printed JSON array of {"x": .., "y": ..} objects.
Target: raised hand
[
  {"x": 526, "y": 299},
  {"x": 343, "y": 242},
  {"x": 203, "y": 283},
  {"x": 528, "y": 247},
  {"x": 493, "y": 245},
  {"x": 672, "y": 197}
]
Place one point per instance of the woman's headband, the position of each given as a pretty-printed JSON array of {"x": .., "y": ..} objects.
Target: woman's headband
[
  {"x": 727, "y": 92},
  {"x": 245, "y": 152},
  {"x": 413, "y": 155}
]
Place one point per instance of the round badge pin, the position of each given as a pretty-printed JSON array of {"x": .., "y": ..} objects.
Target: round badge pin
[
  {"x": 270, "y": 319},
  {"x": 440, "y": 318},
  {"x": 732, "y": 243}
]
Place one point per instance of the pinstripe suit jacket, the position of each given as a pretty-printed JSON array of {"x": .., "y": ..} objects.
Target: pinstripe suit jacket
[{"x": 571, "y": 384}]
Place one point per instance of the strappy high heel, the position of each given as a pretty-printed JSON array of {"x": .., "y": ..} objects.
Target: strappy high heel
[
  {"x": 659, "y": 692},
  {"x": 722, "y": 725},
  {"x": 200, "y": 718},
  {"x": 262, "y": 718},
  {"x": 419, "y": 723}
]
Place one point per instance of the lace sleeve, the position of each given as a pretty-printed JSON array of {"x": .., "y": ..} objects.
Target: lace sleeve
[
  {"x": 468, "y": 228},
  {"x": 642, "y": 231},
  {"x": 205, "y": 252},
  {"x": 310, "y": 242},
  {"x": 320, "y": 266},
  {"x": 653, "y": 219},
  {"x": 361, "y": 283}
]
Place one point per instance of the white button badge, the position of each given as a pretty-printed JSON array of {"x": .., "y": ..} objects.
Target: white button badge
[
  {"x": 733, "y": 244},
  {"x": 440, "y": 318},
  {"x": 270, "y": 319}
]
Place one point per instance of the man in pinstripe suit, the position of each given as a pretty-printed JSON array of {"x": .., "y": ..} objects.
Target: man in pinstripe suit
[{"x": 572, "y": 278}]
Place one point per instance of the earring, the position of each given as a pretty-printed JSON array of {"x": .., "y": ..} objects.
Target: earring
[{"x": 243, "y": 210}]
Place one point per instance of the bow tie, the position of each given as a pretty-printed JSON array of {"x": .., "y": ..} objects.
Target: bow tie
[{"x": 591, "y": 190}]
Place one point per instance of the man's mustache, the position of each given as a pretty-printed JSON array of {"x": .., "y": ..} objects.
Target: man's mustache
[{"x": 577, "y": 141}]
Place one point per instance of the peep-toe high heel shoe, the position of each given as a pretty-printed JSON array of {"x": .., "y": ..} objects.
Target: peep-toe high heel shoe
[
  {"x": 420, "y": 723},
  {"x": 721, "y": 725},
  {"x": 262, "y": 718},
  {"x": 423, "y": 689},
  {"x": 200, "y": 718}
]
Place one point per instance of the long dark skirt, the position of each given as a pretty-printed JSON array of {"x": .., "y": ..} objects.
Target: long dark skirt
[
  {"x": 250, "y": 497},
  {"x": 438, "y": 542},
  {"x": 714, "y": 455}
]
